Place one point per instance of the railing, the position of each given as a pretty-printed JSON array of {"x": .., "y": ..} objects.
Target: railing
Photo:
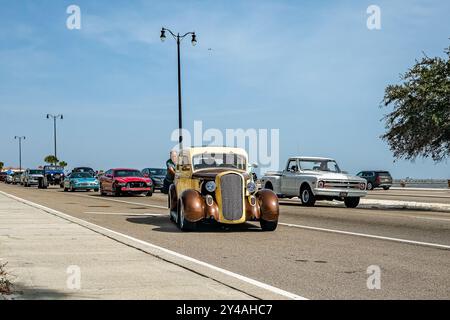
[{"x": 421, "y": 183}]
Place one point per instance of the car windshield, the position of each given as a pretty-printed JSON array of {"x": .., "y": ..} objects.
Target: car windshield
[
  {"x": 54, "y": 168},
  {"x": 127, "y": 173},
  {"x": 83, "y": 170},
  {"x": 319, "y": 165},
  {"x": 219, "y": 160},
  {"x": 78, "y": 175},
  {"x": 36, "y": 172},
  {"x": 158, "y": 172}
]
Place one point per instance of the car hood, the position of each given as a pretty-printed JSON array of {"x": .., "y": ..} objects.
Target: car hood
[
  {"x": 334, "y": 176},
  {"x": 132, "y": 179}
]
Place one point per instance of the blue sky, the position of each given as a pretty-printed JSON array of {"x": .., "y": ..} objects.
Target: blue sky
[{"x": 311, "y": 69}]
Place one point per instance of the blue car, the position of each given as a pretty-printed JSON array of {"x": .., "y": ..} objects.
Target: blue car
[{"x": 81, "y": 181}]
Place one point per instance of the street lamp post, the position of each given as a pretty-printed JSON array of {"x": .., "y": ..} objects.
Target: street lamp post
[
  {"x": 20, "y": 138},
  {"x": 179, "y": 38},
  {"x": 55, "y": 117}
]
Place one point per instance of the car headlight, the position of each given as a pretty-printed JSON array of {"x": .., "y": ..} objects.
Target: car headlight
[
  {"x": 251, "y": 187},
  {"x": 122, "y": 184},
  {"x": 321, "y": 184},
  {"x": 210, "y": 186}
]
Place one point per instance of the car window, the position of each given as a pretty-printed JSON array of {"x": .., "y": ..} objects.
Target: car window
[
  {"x": 292, "y": 166},
  {"x": 319, "y": 165},
  {"x": 127, "y": 173},
  {"x": 219, "y": 160},
  {"x": 78, "y": 175}
]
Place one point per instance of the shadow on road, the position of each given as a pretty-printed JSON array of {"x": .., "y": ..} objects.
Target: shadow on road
[{"x": 163, "y": 224}]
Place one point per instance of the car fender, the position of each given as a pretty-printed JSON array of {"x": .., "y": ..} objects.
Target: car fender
[
  {"x": 193, "y": 204},
  {"x": 268, "y": 204}
]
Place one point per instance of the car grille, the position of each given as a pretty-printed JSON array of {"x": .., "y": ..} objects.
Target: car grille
[
  {"x": 333, "y": 184},
  {"x": 136, "y": 185},
  {"x": 232, "y": 195}
]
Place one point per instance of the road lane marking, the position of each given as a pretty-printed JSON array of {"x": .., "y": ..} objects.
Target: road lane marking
[
  {"x": 96, "y": 228},
  {"x": 428, "y": 244},
  {"x": 121, "y": 201},
  {"x": 128, "y": 214}
]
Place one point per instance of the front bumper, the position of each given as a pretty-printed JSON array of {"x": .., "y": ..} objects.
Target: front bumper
[
  {"x": 83, "y": 186},
  {"x": 339, "y": 193},
  {"x": 135, "y": 190}
]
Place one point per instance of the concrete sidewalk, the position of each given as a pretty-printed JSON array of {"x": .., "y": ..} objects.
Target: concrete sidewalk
[{"x": 45, "y": 253}]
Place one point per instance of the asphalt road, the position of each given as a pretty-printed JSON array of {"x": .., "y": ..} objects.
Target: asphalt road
[{"x": 318, "y": 253}]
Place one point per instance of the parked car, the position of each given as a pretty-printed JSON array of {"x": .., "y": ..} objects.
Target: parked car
[
  {"x": 3, "y": 176},
  {"x": 9, "y": 178},
  {"x": 85, "y": 169},
  {"x": 17, "y": 177},
  {"x": 376, "y": 179},
  {"x": 157, "y": 176},
  {"x": 119, "y": 181},
  {"x": 54, "y": 175},
  {"x": 312, "y": 178},
  {"x": 34, "y": 177},
  {"x": 81, "y": 181},
  {"x": 212, "y": 184}
]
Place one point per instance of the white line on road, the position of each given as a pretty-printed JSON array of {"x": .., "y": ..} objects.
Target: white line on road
[
  {"x": 122, "y": 201},
  {"x": 97, "y": 228},
  {"x": 128, "y": 213},
  {"x": 428, "y": 244}
]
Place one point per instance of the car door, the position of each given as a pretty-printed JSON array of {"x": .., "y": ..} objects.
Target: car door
[{"x": 288, "y": 180}]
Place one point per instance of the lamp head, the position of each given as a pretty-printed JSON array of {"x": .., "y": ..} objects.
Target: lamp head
[
  {"x": 163, "y": 35},
  {"x": 194, "y": 39}
]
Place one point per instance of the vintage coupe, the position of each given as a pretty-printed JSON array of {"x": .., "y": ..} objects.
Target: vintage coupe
[
  {"x": 212, "y": 184},
  {"x": 119, "y": 181},
  {"x": 313, "y": 178},
  {"x": 81, "y": 181}
]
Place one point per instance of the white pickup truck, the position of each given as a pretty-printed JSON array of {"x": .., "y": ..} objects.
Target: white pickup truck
[{"x": 312, "y": 178}]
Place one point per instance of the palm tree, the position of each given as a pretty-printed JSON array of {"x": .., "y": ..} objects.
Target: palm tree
[
  {"x": 51, "y": 159},
  {"x": 63, "y": 164}
]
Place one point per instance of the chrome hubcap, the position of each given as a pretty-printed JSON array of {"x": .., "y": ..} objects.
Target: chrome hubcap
[{"x": 305, "y": 196}]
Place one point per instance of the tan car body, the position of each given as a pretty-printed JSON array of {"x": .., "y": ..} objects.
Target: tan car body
[{"x": 230, "y": 203}]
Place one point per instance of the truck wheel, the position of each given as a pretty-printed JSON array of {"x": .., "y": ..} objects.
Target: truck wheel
[
  {"x": 268, "y": 225},
  {"x": 307, "y": 197},
  {"x": 269, "y": 186},
  {"x": 351, "y": 202},
  {"x": 183, "y": 224},
  {"x": 369, "y": 186}
]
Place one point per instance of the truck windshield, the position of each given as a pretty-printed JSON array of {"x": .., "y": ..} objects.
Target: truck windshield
[
  {"x": 319, "y": 165},
  {"x": 219, "y": 160}
]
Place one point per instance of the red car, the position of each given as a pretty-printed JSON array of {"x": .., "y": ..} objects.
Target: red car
[{"x": 119, "y": 181}]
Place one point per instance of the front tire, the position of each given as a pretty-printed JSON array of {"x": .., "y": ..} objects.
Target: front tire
[
  {"x": 268, "y": 225},
  {"x": 307, "y": 197},
  {"x": 149, "y": 194},
  {"x": 183, "y": 224},
  {"x": 351, "y": 202},
  {"x": 369, "y": 186}
]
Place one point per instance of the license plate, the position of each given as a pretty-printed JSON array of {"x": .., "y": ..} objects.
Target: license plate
[{"x": 343, "y": 194}]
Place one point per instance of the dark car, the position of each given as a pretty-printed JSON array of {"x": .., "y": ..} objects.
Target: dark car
[
  {"x": 157, "y": 175},
  {"x": 54, "y": 174},
  {"x": 377, "y": 179}
]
